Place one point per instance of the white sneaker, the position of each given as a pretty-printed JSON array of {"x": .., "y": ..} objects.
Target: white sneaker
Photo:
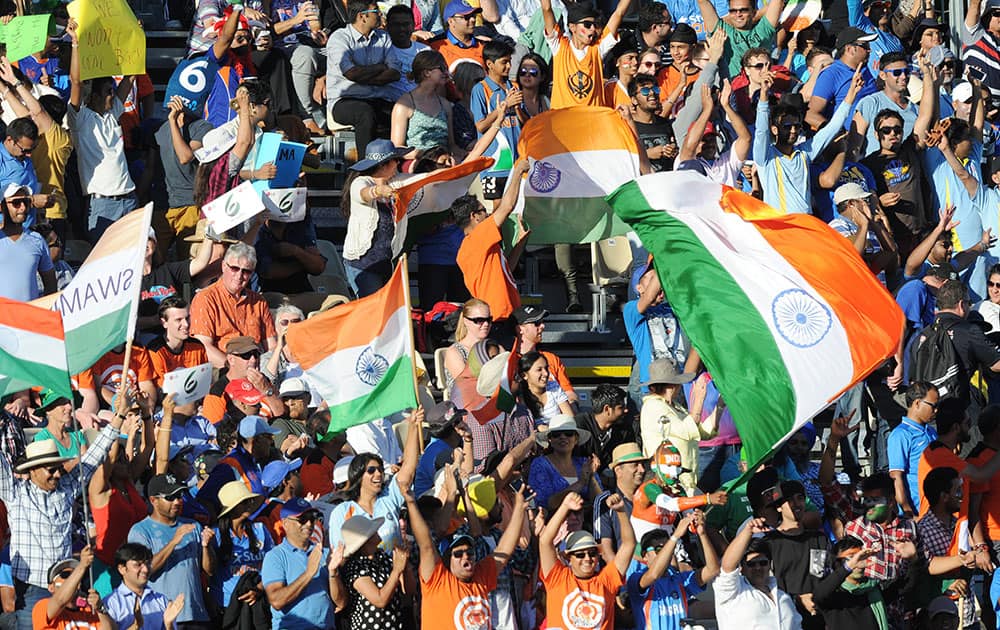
[{"x": 173, "y": 25}]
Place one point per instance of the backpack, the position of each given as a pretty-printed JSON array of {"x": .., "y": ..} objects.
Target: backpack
[{"x": 935, "y": 360}]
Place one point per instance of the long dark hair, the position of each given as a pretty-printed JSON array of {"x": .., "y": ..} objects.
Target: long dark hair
[
  {"x": 345, "y": 193},
  {"x": 356, "y": 471},
  {"x": 226, "y": 536},
  {"x": 530, "y": 401}
]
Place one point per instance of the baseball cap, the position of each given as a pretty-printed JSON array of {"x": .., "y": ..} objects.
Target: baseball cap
[
  {"x": 275, "y": 472},
  {"x": 852, "y": 35},
  {"x": 580, "y": 11},
  {"x": 527, "y": 314},
  {"x": 340, "y": 470},
  {"x": 164, "y": 486},
  {"x": 443, "y": 415},
  {"x": 849, "y": 191},
  {"x": 243, "y": 390},
  {"x": 764, "y": 489},
  {"x": 580, "y": 540},
  {"x": 459, "y": 7},
  {"x": 296, "y": 507},
  {"x": 60, "y": 566},
  {"x": 16, "y": 190},
  {"x": 252, "y": 426},
  {"x": 293, "y": 388},
  {"x": 962, "y": 92},
  {"x": 942, "y": 606},
  {"x": 448, "y": 544},
  {"x": 239, "y": 345}
]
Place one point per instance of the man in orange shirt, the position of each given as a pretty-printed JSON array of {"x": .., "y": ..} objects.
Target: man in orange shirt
[
  {"x": 174, "y": 348},
  {"x": 243, "y": 362},
  {"x": 456, "y": 589},
  {"x": 953, "y": 431},
  {"x": 106, "y": 374},
  {"x": 577, "y": 73},
  {"x": 580, "y": 594},
  {"x": 458, "y": 44},
  {"x": 530, "y": 326},
  {"x": 487, "y": 271},
  {"x": 681, "y": 71},
  {"x": 230, "y": 308},
  {"x": 984, "y": 500}
]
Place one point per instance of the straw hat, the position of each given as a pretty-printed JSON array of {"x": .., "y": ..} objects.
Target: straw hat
[
  {"x": 40, "y": 453},
  {"x": 357, "y": 530},
  {"x": 232, "y": 494}
]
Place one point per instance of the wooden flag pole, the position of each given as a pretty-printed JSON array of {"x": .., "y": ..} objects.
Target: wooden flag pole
[{"x": 405, "y": 269}]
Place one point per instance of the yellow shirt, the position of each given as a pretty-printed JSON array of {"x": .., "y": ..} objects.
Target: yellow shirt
[
  {"x": 662, "y": 420},
  {"x": 49, "y": 158}
]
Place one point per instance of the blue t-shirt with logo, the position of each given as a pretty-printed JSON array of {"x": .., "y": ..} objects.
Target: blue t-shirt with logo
[{"x": 663, "y": 605}]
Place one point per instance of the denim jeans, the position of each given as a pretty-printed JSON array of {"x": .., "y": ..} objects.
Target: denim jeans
[
  {"x": 105, "y": 211},
  {"x": 370, "y": 279},
  {"x": 717, "y": 465},
  {"x": 27, "y": 596}
]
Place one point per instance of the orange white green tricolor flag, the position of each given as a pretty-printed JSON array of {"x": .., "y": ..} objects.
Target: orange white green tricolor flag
[
  {"x": 32, "y": 349},
  {"x": 577, "y": 156},
  {"x": 99, "y": 305},
  {"x": 424, "y": 201},
  {"x": 359, "y": 355},
  {"x": 781, "y": 308}
]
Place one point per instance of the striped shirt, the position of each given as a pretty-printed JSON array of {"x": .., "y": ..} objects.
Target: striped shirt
[{"x": 40, "y": 521}]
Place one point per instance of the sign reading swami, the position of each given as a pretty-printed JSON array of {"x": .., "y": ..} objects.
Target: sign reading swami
[{"x": 111, "y": 40}]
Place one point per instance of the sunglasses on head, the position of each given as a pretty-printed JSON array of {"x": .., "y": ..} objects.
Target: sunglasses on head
[
  {"x": 649, "y": 91},
  {"x": 586, "y": 553},
  {"x": 890, "y": 129},
  {"x": 528, "y": 72},
  {"x": 898, "y": 72},
  {"x": 479, "y": 321}
]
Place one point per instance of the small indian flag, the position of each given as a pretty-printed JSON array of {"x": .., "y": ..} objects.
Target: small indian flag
[
  {"x": 359, "y": 355},
  {"x": 100, "y": 303},
  {"x": 781, "y": 308},
  {"x": 578, "y": 155},
  {"x": 32, "y": 349},
  {"x": 424, "y": 201}
]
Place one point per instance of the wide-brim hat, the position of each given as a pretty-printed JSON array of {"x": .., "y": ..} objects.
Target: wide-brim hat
[
  {"x": 379, "y": 152},
  {"x": 357, "y": 530},
  {"x": 40, "y": 453},
  {"x": 627, "y": 452},
  {"x": 232, "y": 494},
  {"x": 564, "y": 422},
  {"x": 665, "y": 372}
]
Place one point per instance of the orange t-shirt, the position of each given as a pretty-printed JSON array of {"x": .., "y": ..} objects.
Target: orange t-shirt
[
  {"x": 484, "y": 267},
  {"x": 575, "y": 80},
  {"x": 83, "y": 380},
  {"x": 451, "y": 603},
  {"x": 989, "y": 508},
  {"x": 163, "y": 360},
  {"x": 107, "y": 372},
  {"x": 937, "y": 455},
  {"x": 616, "y": 94},
  {"x": 668, "y": 78},
  {"x": 454, "y": 54},
  {"x": 67, "y": 620},
  {"x": 573, "y": 603},
  {"x": 220, "y": 316}
]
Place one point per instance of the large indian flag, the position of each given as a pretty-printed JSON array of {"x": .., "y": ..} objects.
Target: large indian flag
[
  {"x": 578, "y": 155},
  {"x": 359, "y": 355},
  {"x": 423, "y": 201},
  {"x": 781, "y": 308},
  {"x": 32, "y": 349},
  {"x": 100, "y": 303}
]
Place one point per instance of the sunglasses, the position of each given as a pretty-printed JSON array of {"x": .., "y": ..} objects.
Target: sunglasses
[
  {"x": 757, "y": 563},
  {"x": 861, "y": 45},
  {"x": 933, "y": 406},
  {"x": 177, "y": 496},
  {"x": 308, "y": 517},
  {"x": 65, "y": 574},
  {"x": 586, "y": 553},
  {"x": 528, "y": 72},
  {"x": 467, "y": 18},
  {"x": 649, "y": 64},
  {"x": 587, "y": 23},
  {"x": 461, "y": 553},
  {"x": 23, "y": 150},
  {"x": 885, "y": 131},
  {"x": 18, "y": 201},
  {"x": 561, "y": 434},
  {"x": 55, "y": 468},
  {"x": 240, "y": 270},
  {"x": 285, "y": 322},
  {"x": 479, "y": 321},
  {"x": 993, "y": 285},
  {"x": 649, "y": 91},
  {"x": 246, "y": 356},
  {"x": 898, "y": 72},
  {"x": 371, "y": 470},
  {"x": 739, "y": 10},
  {"x": 654, "y": 548},
  {"x": 791, "y": 125},
  {"x": 994, "y": 14},
  {"x": 758, "y": 66}
]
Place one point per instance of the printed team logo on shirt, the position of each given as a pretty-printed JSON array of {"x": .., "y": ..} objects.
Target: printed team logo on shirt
[
  {"x": 472, "y": 613},
  {"x": 580, "y": 84},
  {"x": 583, "y": 610}
]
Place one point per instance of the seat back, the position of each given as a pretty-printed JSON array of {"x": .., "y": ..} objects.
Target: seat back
[
  {"x": 611, "y": 259},
  {"x": 334, "y": 276}
]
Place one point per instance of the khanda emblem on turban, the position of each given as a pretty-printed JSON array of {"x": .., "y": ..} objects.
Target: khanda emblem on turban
[{"x": 580, "y": 84}]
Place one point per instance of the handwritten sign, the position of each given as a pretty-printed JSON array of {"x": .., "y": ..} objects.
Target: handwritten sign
[
  {"x": 25, "y": 35},
  {"x": 111, "y": 40},
  {"x": 285, "y": 205},
  {"x": 286, "y": 156},
  {"x": 192, "y": 81},
  {"x": 233, "y": 208},
  {"x": 188, "y": 384}
]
